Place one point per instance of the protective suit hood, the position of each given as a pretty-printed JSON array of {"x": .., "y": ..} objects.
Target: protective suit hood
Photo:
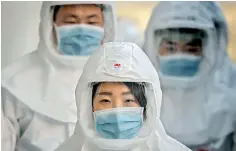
[
  {"x": 44, "y": 80},
  {"x": 99, "y": 68},
  {"x": 220, "y": 23},
  {"x": 226, "y": 72},
  {"x": 194, "y": 116},
  {"x": 46, "y": 25},
  {"x": 179, "y": 16}
]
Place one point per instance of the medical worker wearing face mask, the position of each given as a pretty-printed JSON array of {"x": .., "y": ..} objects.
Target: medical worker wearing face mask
[
  {"x": 38, "y": 89},
  {"x": 182, "y": 43},
  {"x": 118, "y": 98}
]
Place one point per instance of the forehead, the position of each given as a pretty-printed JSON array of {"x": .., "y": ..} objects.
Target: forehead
[
  {"x": 109, "y": 86},
  {"x": 181, "y": 33},
  {"x": 183, "y": 30},
  {"x": 113, "y": 88},
  {"x": 80, "y": 8}
]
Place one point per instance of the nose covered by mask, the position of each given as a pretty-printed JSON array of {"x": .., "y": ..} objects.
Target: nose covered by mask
[
  {"x": 78, "y": 40},
  {"x": 119, "y": 123},
  {"x": 180, "y": 65}
]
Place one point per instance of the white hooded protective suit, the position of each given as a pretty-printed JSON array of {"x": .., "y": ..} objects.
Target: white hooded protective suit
[
  {"x": 38, "y": 89},
  {"x": 134, "y": 67},
  {"x": 196, "y": 111},
  {"x": 226, "y": 74}
]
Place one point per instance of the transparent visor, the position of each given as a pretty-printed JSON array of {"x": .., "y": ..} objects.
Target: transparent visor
[
  {"x": 108, "y": 95},
  {"x": 120, "y": 110},
  {"x": 182, "y": 40}
]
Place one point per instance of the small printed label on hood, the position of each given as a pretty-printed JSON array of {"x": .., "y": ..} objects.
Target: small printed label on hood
[
  {"x": 117, "y": 66},
  {"x": 114, "y": 66},
  {"x": 118, "y": 59}
]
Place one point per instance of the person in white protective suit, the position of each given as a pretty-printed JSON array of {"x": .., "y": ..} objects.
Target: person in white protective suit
[
  {"x": 227, "y": 72},
  {"x": 118, "y": 98},
  {"x": 127, "y": 31},
  {"x": 182, "y": 43},
  {"x": 38, "y": 89}
]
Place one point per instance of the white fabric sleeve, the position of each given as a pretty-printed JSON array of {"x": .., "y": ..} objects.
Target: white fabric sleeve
[
  {"x": 8, "y": 138},
  {"x": 12, "y": 112}
]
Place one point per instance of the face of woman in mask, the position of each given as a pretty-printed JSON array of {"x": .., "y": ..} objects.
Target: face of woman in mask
[
  {"x": 119, "y": 109},
  {"x": 113, "y": 95}
]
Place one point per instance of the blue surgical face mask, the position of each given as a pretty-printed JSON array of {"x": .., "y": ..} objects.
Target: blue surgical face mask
[
  {"x": 119, "y": 123},
  {"x": 181, "y": 65},
  {"x": 78, "y": 40}
]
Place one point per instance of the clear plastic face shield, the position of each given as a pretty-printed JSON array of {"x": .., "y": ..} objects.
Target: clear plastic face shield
[
  {"x": 180, "y": 51},
  {"x": 78, "y": 28},
  {"x": 119, "y": 112}
]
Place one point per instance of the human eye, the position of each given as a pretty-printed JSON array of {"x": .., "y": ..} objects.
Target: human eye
[
  {"x": 131, "y": 103},
  {"x": 70, "y": 20},
  {"x": 129, "y": 100},
  {"x": 93, "y": 23},
  {"x": 193, "y": 50},
  {"x": 170, "y": 46},
  {"x": 106, "y": 101}
]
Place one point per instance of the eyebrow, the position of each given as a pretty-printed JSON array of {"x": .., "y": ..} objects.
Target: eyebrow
[
  {"x": 170, "y": 42},
  {"x": 92, "y": 16},
  {"x": 109, "y": 93},
  {"x": 195, "y": 42},
  {"x": 70, "y": 16},
  {"x": 126, "y": 93},
  {"x": 75, "y": 16},
  {"x": 104, "y": 93}
]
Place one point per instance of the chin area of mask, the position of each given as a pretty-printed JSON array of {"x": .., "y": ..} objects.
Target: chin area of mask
[
  {"x": 179, "y": 65},
  {"x": 78, "y": 40},
  {"x": 119, "y": 123}
]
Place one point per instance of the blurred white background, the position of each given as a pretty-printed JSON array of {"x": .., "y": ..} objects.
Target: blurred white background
[{"x": 20, "y": 21}]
